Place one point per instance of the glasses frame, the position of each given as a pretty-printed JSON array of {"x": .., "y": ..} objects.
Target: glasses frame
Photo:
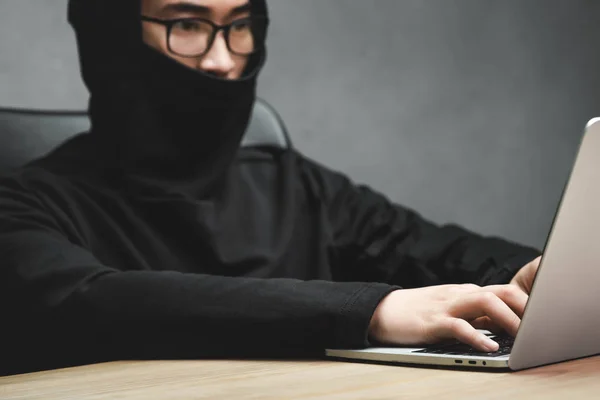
[{"x": 170, "y": 23}]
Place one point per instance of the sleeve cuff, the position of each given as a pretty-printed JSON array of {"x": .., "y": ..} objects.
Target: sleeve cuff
[{"x": 352, "y": 329}]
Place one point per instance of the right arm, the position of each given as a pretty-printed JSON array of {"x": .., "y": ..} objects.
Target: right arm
[{"x": 61, "y": 295}]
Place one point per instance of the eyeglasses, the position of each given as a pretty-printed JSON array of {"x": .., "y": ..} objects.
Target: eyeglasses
[{"x": 193, "y": 37}]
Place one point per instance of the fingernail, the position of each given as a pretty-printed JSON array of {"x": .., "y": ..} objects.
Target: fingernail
[{"x": 490, "y": 345}]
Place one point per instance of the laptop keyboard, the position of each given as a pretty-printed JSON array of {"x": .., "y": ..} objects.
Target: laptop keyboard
[{"x": 505, "y": 342}]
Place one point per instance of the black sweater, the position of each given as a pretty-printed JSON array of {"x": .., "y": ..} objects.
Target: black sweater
[{"x": 286, "y": 258}]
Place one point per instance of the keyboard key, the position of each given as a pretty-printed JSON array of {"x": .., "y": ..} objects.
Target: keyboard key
[{"x": 505, "y": 343}]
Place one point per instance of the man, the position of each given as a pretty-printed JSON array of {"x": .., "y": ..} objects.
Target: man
[{"x": 156, "y": 236}]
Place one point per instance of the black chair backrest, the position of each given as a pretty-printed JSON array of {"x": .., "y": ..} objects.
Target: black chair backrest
[{"x": 29, "y": 134}]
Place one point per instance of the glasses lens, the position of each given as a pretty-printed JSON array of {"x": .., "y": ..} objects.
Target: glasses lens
[
  {"x": 190, "y": 37},
  {"x": 247, "y": 36}
]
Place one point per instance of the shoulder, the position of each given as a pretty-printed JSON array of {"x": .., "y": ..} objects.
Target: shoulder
[
  {"x": 27, "y": 178},
  {"x": 54, "y": 168},
  {"x": 28, "y": 188},
  {"x": 322, "y": 178},
  {"x": 32, "y": 178}
]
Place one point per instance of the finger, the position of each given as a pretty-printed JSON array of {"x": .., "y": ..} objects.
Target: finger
[
  {"x": 514, "y": 297},
  {"x": 486, "y": 324},
  {"x": 486, "y": 304},
  {"x": 533, "y": 270},
  {"x": 461, "y": 330}
]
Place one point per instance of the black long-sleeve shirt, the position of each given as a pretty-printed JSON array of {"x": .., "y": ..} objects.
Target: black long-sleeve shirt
[{"x": 287, "y": 258}]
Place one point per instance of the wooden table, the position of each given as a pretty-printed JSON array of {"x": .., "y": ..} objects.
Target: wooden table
[{"x": 146, "y": 380}]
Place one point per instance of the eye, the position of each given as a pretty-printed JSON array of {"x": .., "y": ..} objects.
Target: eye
[
  {"x": 189, "y": 26},
  {"x": 243, "y": 25}
]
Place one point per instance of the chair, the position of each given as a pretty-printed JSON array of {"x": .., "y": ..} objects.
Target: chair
[{"x": 28, "y": 134}]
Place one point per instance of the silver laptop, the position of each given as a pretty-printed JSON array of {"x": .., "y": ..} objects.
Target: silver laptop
[{"x": 562, "y": 317}]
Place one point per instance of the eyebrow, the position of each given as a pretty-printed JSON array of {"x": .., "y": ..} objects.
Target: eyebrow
[{"x": 185, "y": 7}]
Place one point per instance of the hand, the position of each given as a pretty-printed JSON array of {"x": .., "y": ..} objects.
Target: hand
[
  {"x": 524, "y": 278},
  {"x": 432, "y": 314}
]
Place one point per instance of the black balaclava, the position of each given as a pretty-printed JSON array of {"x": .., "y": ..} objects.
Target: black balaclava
[{"x": 153, "y": 119}]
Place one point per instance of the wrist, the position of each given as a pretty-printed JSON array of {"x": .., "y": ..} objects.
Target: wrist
[{"x": 376, "y": 325}]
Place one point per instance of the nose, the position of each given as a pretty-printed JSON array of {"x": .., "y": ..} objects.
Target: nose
[{"x": 217, "y": 60}]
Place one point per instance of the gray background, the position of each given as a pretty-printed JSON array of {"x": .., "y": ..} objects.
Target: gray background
[{"x": 468, "y": 111}]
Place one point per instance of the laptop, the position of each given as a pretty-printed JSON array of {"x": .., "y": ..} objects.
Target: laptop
[{"x": 562, "y": 317}]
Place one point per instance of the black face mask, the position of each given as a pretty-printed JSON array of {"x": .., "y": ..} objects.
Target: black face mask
[{"x": 153, "y": 117}]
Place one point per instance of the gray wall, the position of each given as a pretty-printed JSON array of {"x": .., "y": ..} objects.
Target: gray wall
[{"x": 465, "y": 110}]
